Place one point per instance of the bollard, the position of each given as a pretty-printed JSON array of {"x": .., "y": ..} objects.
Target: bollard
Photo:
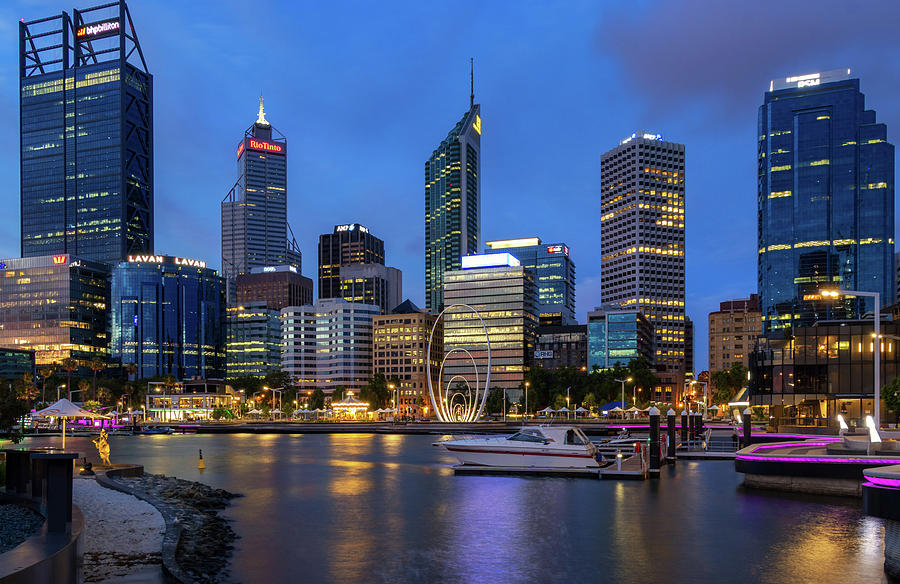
[
  {"x": 690, "y": 417},
  {"x": 654, "y": 438},
  {"x": 200, "y": 464},
  {"x": 748, "y": 415},
  {"x": 18, "y": 471},
  {"x": 700, "y": 422},
  {"x": 670, "y": 434},
  {"x": 618, "y": 459},
  {"x": 684, "y": 426}
]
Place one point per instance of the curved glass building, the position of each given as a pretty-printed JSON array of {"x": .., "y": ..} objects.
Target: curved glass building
[
  {"x": 167, "y": 316},
  {"x": 826, "y": 201}
]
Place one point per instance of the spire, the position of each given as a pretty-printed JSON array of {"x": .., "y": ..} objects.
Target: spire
[
  {"x": 261, "y": 119},
  {"x": 471, "y": 81}
]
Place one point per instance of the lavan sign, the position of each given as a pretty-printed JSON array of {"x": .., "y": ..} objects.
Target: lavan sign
[{"x": 158, "y": 259}]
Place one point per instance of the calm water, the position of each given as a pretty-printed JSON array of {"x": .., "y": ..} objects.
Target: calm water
[{"x": 381, "y": 508}]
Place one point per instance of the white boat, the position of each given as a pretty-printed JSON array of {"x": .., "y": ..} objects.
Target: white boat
[{"x": 532, "y": 446}]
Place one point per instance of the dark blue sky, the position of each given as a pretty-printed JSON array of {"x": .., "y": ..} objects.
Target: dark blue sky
[{"x": 364, "y": 91}]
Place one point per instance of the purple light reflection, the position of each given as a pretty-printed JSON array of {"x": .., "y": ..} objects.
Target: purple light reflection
[
  {"x": 882, "y": 481},
  {"x": 831, "y": 460}
]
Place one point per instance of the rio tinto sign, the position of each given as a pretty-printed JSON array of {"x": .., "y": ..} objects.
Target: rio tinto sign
[
  {"x": 254, "y": 144},
  {"x": 98, "y": 29}
]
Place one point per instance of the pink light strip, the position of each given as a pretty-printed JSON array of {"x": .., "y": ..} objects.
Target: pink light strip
[
  {"x": 885, "y": 487},
  {"x": 787, "y": 445},
  {"x": 833, "y": 460},
  {"x": 882, "y": 481}
]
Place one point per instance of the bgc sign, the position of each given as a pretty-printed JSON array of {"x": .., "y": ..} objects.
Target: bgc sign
[{"x": 260, "y": 146}]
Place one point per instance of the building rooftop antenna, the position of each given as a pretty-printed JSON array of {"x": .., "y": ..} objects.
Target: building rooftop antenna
[
  {"x": 261, "y": 119},
  {"x": 472, "y": 81}
]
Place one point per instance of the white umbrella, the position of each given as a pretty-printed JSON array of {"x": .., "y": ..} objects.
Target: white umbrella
[
  {"x": 254, "y": 412},
  {"x": 564, "y": 409},
  {"x": 546, "y": 410},
  {"x": 633, "y": 409},
  {"x": 65, "y": 409},
  {"x": 617, "y": 409},
  {"x": 277, "y": 411},
  {"x": 713, "y": 408}
]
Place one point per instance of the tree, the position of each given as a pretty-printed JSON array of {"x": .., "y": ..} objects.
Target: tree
[
  {"x": 12, "y": 407},
  {"x": 131, "y": 370},
  {"x": 337, "y": 394},
  {"x": 317, "y": 400},
  {"x": 97, "y": 365},
  {"x": 47, "y": 372},
  {"x": 377, "y": 394},
  {"x": 890, "y": 393},
  {"x": 559, "y": 402},
  {"x": 69, "y": 365},
  {"x": 84, "y": 385},
  {"x": 728, "y": 382},
  {"x": 278, "y": 379},
  {"x": 495, "y": 405},
  {"x": 590, "y": 402}
]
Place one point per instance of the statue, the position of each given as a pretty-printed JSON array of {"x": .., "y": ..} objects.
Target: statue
[{"x": 102, "y": 444}]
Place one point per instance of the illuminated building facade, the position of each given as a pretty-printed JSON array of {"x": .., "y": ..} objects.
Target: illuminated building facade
[
  {"x": 86, "y": 135},
  {"x": 55, "y": 306},
  {"x": 401, "y": 340},
  {"x": 255, "y": 230},
  {"x": 503, "y": 293},
  {"x": 452, "y": 203},
  {"x": 826, "y": 201},
  {"x": 554, "y": 276},
  {"x": 328, "y": 344},
  {"x": 349, "y": 245},
  {"x": 167, "y": 316},
  {"x": 617, "y": 336},
  {"x": 822, "y": 371},
  {"x": 559, "y": 346},
  {"x": 372, "y": 284},
  {"x": 277, "y": 286},
  {"x": 733, "y": 330},
  {"x": 253, "y": 343},
  {"x": 642, "y": 243}
]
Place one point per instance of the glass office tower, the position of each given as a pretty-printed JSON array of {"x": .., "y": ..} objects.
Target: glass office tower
[
  {"x": 255, "y": 230},
  {"x": 452, "y": 203},
  {"x": 826, "y": 201},
  {"x": 167, "y": 316},
  {"x": 351, "y": 244},
  {"x": 86, "y": 123},
  {"x": 554, "y": 276},
  {"x": 55, "y": 306}
]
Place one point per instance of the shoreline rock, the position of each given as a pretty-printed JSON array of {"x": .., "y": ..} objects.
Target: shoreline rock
[
  {"x": 205, "y": 545},
  {"x": 17, "y": 523}
]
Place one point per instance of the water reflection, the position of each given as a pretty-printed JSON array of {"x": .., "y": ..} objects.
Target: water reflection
[{"x": 379, "y": 508}]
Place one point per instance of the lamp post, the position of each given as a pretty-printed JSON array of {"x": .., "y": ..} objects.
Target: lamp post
[
  {"x": 525, "y": 417},
  {"x": 274, "y": 390},
  {"x": 623, "y": 381},
  {"x": 876, "y": 342}
]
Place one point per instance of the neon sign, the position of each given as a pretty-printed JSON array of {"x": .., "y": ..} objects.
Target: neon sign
[
  {"x": 350, "y": 227},
  {"x": 264, "y": 146},
  {"x": 240, "y": 150},
  {"x": 145, "y": 258},
  {"x": 158, "y": 259},
  {"x": 190, "y": 262},
  {"x": 98, "y": 29},
  {"x": 59, "y": 260}
]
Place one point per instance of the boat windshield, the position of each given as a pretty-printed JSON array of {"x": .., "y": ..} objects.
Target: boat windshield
[
  {"x": 525, "y": 437},
  {"x": 576, "y": 436}
]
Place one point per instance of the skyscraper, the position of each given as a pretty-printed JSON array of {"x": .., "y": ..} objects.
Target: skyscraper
[
  {"x": 86, "y": 123},
  {"x": 554, "y": 276},
  {"x": 372, "y": 284},
  {"x": 452, "y": 203},
  {"x": 255, "y": 230},
  {"x": 642, "y": 242},
  {"x": 349, "y": 245},
  {"x": 826, "y": 201}
]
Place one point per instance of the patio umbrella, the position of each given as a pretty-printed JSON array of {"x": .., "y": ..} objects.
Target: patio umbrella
[
  {"x": 65, "y": 409},
  {"x": 277, "y": 411},
  {"x": 581, "y": 410},
  {"x": 564, "y": 409},
  {"x": 634, "y": 409},
  {"x": 713, "y": 408},
  {"x": 546, "y": 410},
  {"x": 254, "y": 412}
]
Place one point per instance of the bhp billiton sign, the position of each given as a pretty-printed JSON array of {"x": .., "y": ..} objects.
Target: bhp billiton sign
[{"x": 98, "y": 29}]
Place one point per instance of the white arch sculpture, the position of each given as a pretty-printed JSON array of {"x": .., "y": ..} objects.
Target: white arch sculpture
[{"x": 442, "y": 405}]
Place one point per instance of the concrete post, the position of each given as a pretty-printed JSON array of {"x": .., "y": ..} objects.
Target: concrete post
[
  {"x": 692, "y": 428},
  {"x": 684, "y": 426},
  {"x": 18, "y": 471},
  {"x": 670, "y": 432},
  {"x": 56, "y": 499},
  {"x": 654, "y": 438},
  {"x": 700, "y": 423},
  {"x": 748, "y": 416}
]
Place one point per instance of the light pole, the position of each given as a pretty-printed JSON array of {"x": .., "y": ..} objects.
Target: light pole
[
  {"x": 274, "y": 390},
  {"x": 568, "y": 404},
  {"x": 623, "y": 381},
  {"x": 525, "y": 417},
  {"x": 876, "y": 344}
]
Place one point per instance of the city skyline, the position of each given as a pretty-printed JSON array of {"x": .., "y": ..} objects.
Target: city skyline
[{"x": 556, "y": 83}]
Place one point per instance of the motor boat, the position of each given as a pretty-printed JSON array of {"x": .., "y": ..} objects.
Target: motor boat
[
  {"x": 149, "y": 430},
  {"x": 532, "y": 446}
]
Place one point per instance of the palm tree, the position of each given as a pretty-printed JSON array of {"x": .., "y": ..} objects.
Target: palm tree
[
  {"x": 47, "y": 372},
  {"x": 69, "y": 365},
  {"x": 131, "y": 369},
  {"x": 97, "y": 364},
  {"x": 83, "y": 385}
]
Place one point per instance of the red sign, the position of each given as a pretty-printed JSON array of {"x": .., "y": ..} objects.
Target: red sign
[
  {"x": 264, "y": 146},
  {"x": 98, "y": 29},
  {"x": 59, "y": 259},
  {"x": 240, "y": 150}
]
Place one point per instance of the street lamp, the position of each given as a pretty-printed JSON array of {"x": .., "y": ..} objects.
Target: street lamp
[
  {"x": 876, "y": 344},
  {"x": 622, "y": 381},
  {"x": 274, "y": 390}
]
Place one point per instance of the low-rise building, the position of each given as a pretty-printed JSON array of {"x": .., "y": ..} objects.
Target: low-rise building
[
  {"x": 732, "y": 332},
  {"x": 16, "y": 363},
  {"x": 561, "y": 346},
  {"x": 194, "y": 399},
  {"x": 401, "y": 342}
]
